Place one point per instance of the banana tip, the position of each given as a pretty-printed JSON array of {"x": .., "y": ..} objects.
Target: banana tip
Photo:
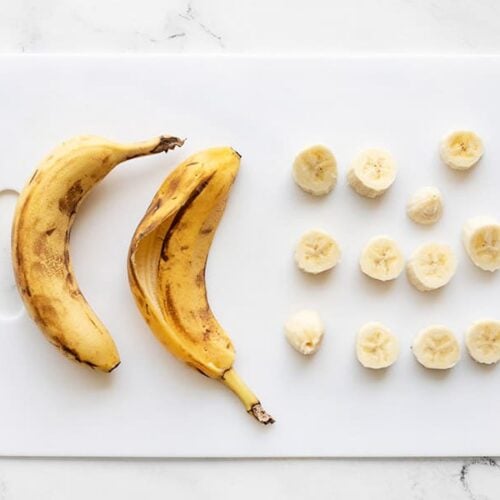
[
  {"x": 260, "y": 414},
  {"x": 166, "y": 143}
]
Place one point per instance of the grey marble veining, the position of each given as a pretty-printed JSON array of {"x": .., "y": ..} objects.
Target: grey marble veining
[
  {"x": 390, "y": 479},
  {"x": 194, "y": 26}
]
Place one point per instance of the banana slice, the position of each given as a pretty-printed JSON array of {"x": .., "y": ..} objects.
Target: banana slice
[
  {"x": 376, "y": 346},
  {"x": 425, "y": 206},
  {"x": 315, "y": 170},
  {"x": 431, "y": 266},
  {"x": 483, "y": 341},
  {"x": 481, "y": 237},
  {"x": 461, "y": 150},
  {"x": 304, "y": 331},
  {"x": 372, "y": 172},
  {"x": 436, "y": 347},
  {"x": 316, "y": 252},
  {"x": 382, "y": 259}
]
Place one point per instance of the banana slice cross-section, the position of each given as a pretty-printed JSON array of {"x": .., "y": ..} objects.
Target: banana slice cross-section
[
  {"x": 425, "y": 206},
  {"x": 483, "y": 341},
  {"x": 376, "y": 346},
  {"x": 381, "y": 259},
  {"x": 315, "y": 170},
  {"x": 436, "y": 347},
  {"x": 481, "y": 238},
  {"x": 372, "y": 172},
  {"x": 431, "y": 266},
  {"x": 316, "y": 252},
  {"x": 462, "y": 149},
  {"x": 304, "y": 331}
]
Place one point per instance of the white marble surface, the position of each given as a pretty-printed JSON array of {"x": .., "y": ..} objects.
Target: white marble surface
[{"x": 260, "y": 26}]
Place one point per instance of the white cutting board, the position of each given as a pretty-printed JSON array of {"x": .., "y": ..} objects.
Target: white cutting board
[{"x": 268, "y": 109}]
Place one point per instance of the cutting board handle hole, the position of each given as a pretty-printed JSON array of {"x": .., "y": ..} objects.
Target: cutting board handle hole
[{"x": 11, "y": 305}]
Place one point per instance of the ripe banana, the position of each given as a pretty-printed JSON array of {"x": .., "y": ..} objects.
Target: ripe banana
[
  {"x": 315, "y": 170},
  {"x": 40, "y": 243},
  {"x": 431, "y": 266},
  {"x": 425, "y": 206},
  {"x": 316, "y": 252},
  {"x": 304, "y": 331},
  {"x": 461, "y": 150},
  {"x": 381, "y": 259},
  {"x": 436, "y": 347},
  {"x": 376, "y": 346},
  {"x": 166, "y": 267},
  {"x": 481, "y": 237},
  {"x": 372, "y": 172},
  {"x": 483, "y": 341}
]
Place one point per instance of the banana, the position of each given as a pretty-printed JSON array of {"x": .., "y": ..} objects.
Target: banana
[
  {"x": 40, "y": 243},
  {"x": 316, "y": 252},
  {"x": 436, "y": 347},
  {"x": 304, "y": 331},
  {"x": 376, "y": 346},
  {"x": 166, "y": 265},
  {"x": 481, "y": 238},
  {"x": 461, "y": 150},
  {"x": 315, "y": 170},
  {"x": 431, "y": 266},
  {"x": 372, "y": 172},
  {"x": 381, "y": 259},
  {"x": 425, "y": 206},
  {"x": 483, "y": 341}
]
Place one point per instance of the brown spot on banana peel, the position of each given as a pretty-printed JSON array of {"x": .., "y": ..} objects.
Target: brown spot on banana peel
[
  {"x": 155, "y": 206},
  {"x": 198, "y": 370},
  {"x": 176, "y": 222},
  {"x": 72, "y": 354},
  {"x": 114, "y": 367},
  {"x": 200, "y": 278},
  {"x": 205, "y": 314},
  {"x": 170, "y": 306},
  {"x": 70, "y": 280},
  {"x": 33, "y": 176},
  {"x": 206, "y": 230},
  {"x": 172, "y": 186},
  {"x": 66, "y": 258},
  {"x": 69, "y": 202},
  {"x": 50, "y": 231},
  {"x": 40, "y": 246},
  {"x": 178, "y": 216}
]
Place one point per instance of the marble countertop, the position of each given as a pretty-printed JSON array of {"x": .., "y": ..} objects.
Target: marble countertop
[{"x": 262, "y": 27}]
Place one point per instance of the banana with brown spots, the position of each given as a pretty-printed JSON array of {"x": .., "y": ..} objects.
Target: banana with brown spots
[
  {"x": 166, "y": 265},
  {"x": 40, "y": 243}
]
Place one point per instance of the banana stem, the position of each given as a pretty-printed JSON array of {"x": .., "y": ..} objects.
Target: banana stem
[
  {"x": 232, "y": 380},
  {"x": 160, "y": 144}
]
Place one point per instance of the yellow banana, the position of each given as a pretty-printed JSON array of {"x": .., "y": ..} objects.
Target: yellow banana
[
  {"x": 40, "y": 239},
  {"x": 167, "y": 260}
]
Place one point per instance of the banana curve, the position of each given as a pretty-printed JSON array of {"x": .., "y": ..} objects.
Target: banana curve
[{"x": 40, "y": 243}]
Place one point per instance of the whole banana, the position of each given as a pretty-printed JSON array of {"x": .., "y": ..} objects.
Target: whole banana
[
  {"x": 40, "y": 243},
  {"x": 166, "y": 265}
]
